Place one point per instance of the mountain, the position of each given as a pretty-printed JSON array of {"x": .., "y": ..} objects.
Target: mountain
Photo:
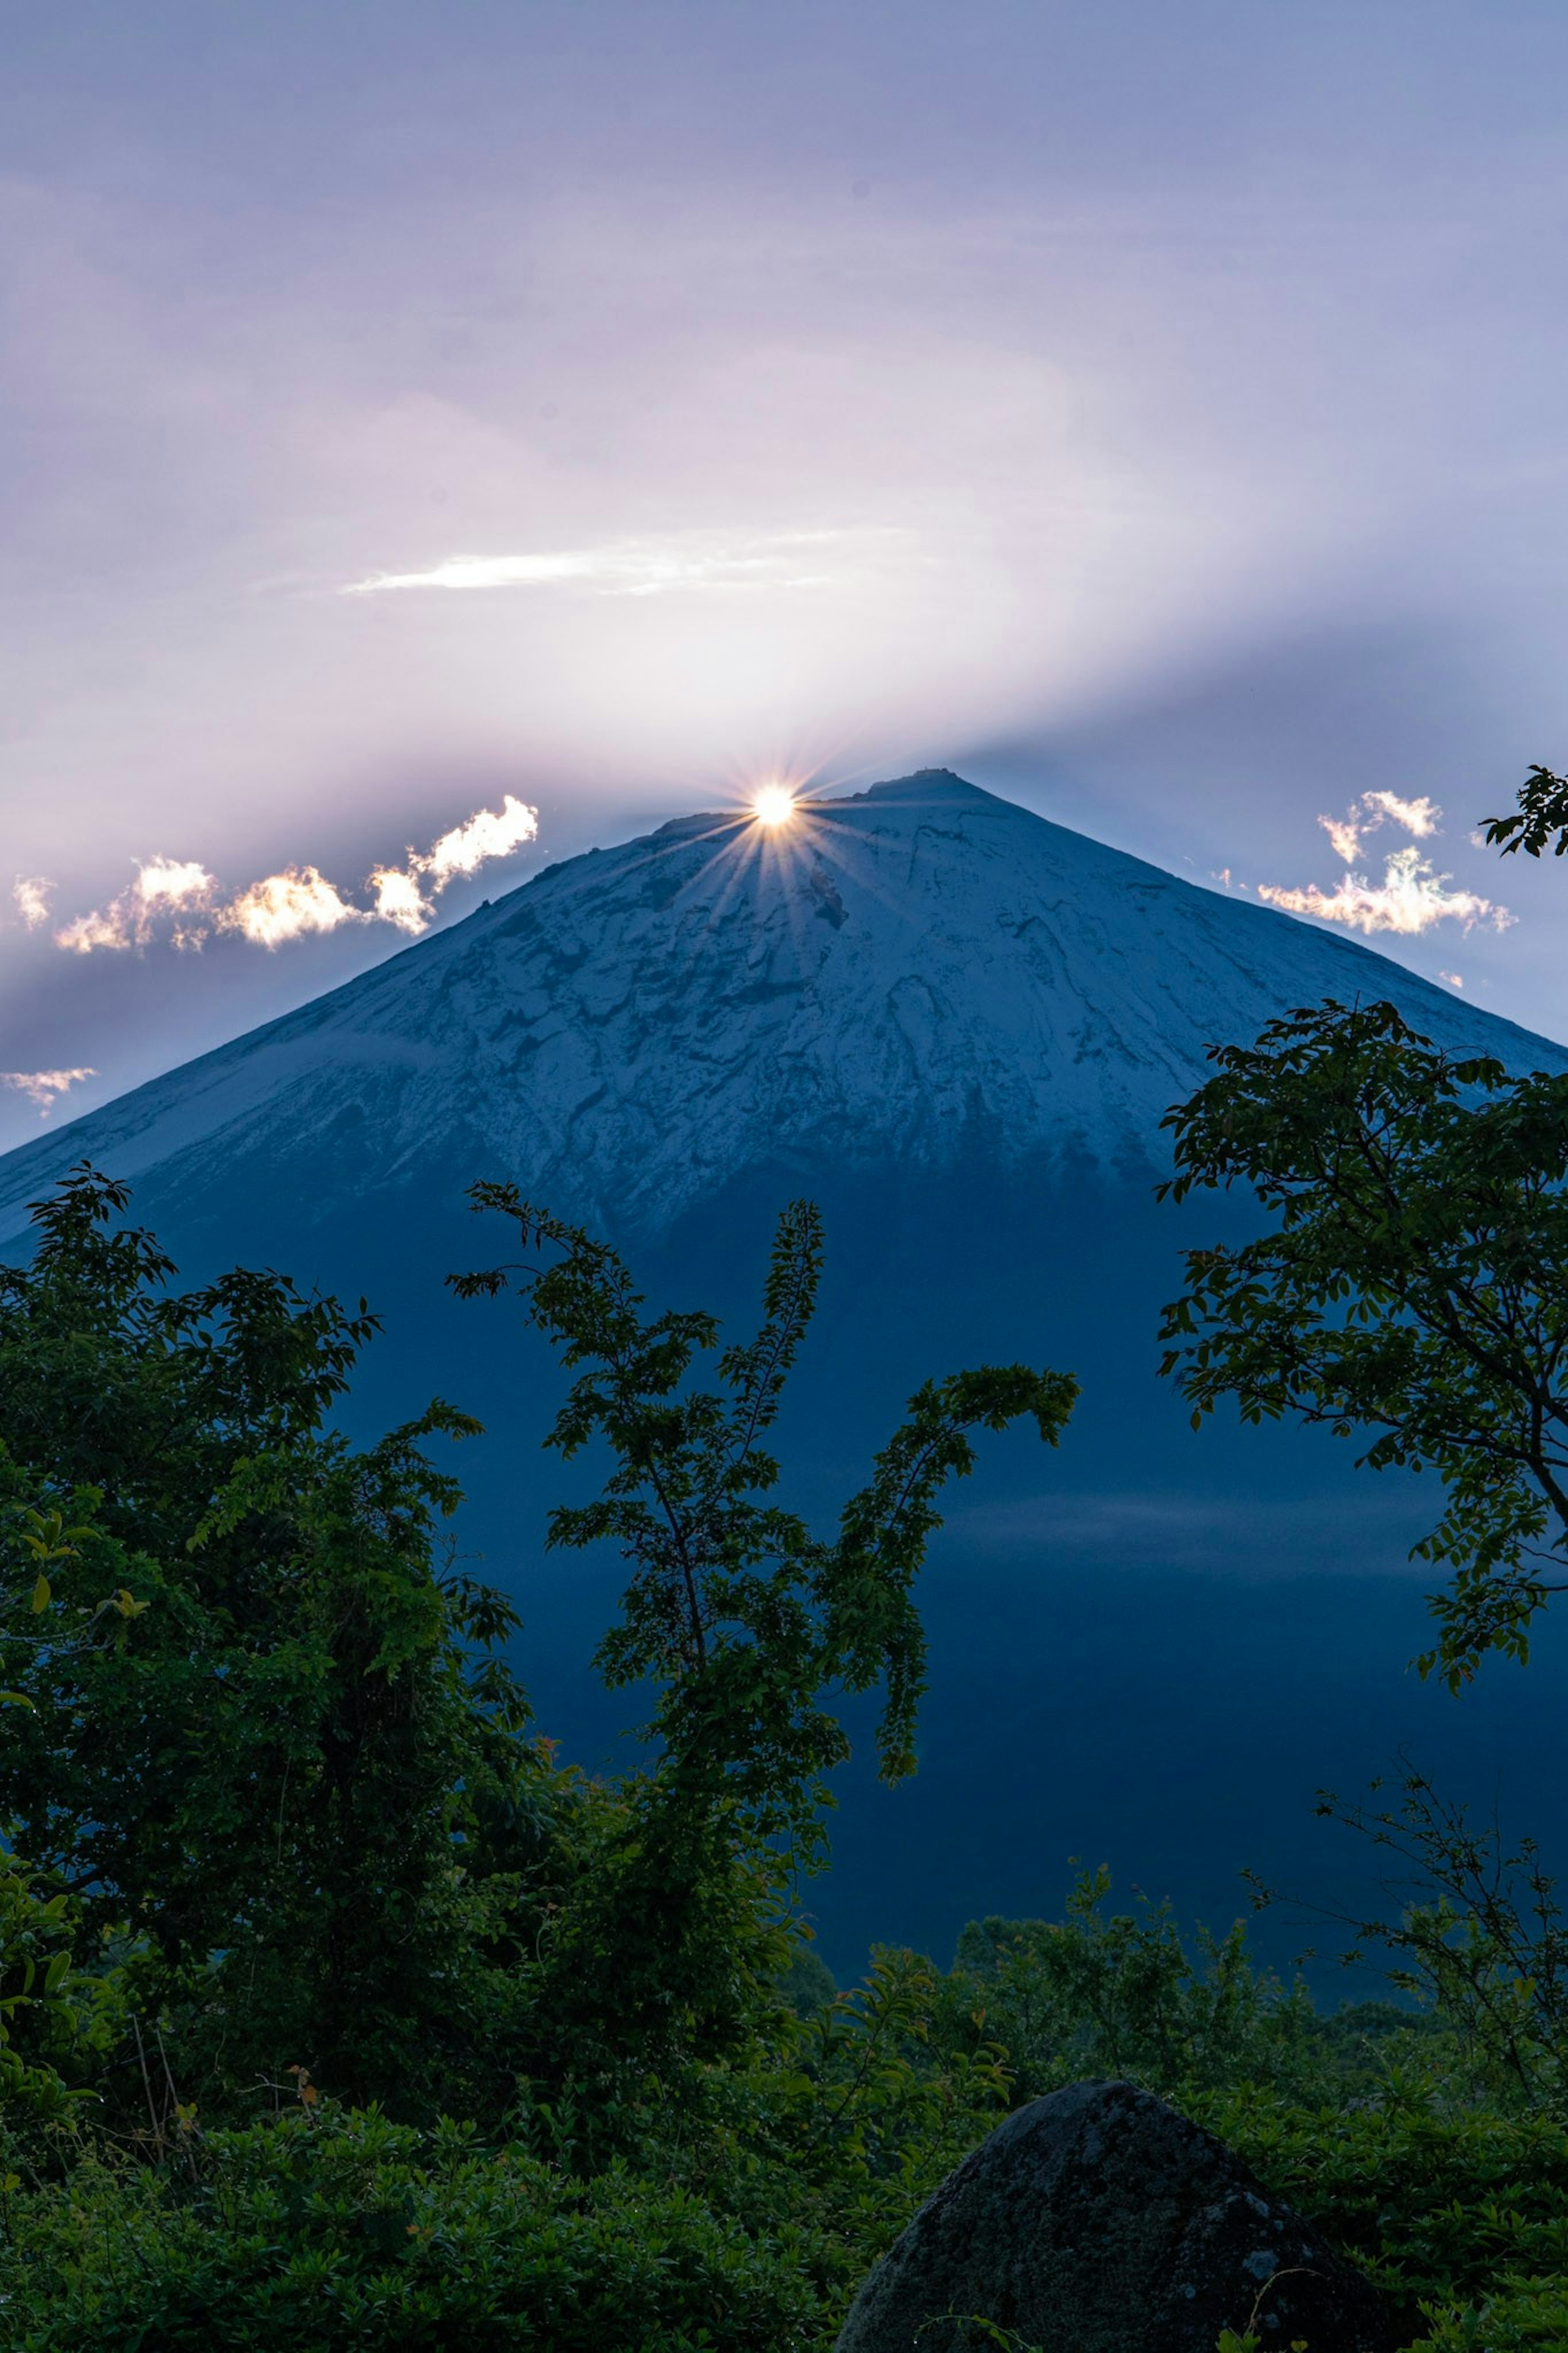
[
  {"x": 959, "y": 1026},
  {"x": 909, "y": 978}
]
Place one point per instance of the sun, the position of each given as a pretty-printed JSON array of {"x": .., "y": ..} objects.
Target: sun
[{"x": 773, "y": 805}]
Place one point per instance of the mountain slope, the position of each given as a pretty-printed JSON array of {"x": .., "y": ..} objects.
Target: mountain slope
[
  {"x": 906, "y": 976},
  {"x": 958, "y": 1026}
]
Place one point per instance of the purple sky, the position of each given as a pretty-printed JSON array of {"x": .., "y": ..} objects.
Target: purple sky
[{"x": 1156, "y": 414}]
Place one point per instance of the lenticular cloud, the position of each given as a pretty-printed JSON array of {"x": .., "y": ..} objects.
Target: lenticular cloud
[{"x": 178, "y": 902}]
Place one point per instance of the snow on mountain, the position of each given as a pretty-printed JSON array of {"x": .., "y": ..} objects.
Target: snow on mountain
[{"x": 906, "y": 975}]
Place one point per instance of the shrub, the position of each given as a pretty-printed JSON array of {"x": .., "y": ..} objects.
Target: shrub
[{"x": 328, "y": 2230}]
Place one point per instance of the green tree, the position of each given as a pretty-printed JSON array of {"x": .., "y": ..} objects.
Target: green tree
[
  {"x": 1542, "y": 810},
  {"x": 745, "y": 1624},
  {"x": 285, "y": 1766},
  {"x": 1412, "y": 1287}
]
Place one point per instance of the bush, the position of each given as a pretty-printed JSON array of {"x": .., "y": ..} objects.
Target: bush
[
  {"x": 327, "y": 2231},
  {"x": 1118, "y": 1993},
  {"x": 1462, "y": 2216}
]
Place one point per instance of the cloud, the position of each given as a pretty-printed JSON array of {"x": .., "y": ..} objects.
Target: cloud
[
  {"x": 1452, "y": 978},
  {"x": 400, "y": 892},
  {"x": 399, "y": 900},
  {"x": 286, "y": 906},
  {"x": 642, "y": 567},
  {"x": 1347, "y": 833},
  {"x": 43, "y": 1087},
  {"x": 171, "y": 888},
  {"x": 1420, "y": 818},
  {"x": 181, "y": 900},
  {"x": 31, "y": 893},
  {"x": 489, "y": 833},
  {"x": 101, "y": 929},
  {"x": 1411, "y": 898}
]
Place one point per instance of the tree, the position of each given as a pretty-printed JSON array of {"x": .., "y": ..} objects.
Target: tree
[
  {"x": 1412, "y": 1288},
  {"x": 744, "y": 1622},
  {"x": 285, "y": 1769},
  {"x": 1542, "y": 810}
]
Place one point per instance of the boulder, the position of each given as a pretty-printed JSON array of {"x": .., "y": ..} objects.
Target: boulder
[{"x": 1099, "y": 2220}]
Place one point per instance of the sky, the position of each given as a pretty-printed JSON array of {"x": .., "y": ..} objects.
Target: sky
[{"x": 436, "y": 439}]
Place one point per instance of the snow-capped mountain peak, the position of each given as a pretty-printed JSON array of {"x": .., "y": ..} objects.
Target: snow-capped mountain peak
[{"x": 900, "y": 976}]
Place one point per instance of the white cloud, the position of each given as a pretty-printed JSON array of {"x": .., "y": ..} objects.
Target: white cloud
[
  {"x": 1452, "y": 978},
  {"x": 31, "y": 893},
  {"x": 489, "y": 833},
  {"x": 1411, "y": 898},
  {"x": 179, "y": 890},
  {"x": 641, "y": 567},
  {"x": 1420, "y": 818},
  {"x": 174, "y": 882},
  {"x": 104, "y": 928},
  {"x": 1373, "y": 809},
  {"x": 179, "y": 900},
  {"x": 399, "y": 900},
  {"x": 286, "y": 906},
  {"x": 43, "y": 1087},
  {"x": 400, "y": 892}
]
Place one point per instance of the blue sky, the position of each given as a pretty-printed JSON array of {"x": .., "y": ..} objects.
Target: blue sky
[{"x": 1156, "y": 414}]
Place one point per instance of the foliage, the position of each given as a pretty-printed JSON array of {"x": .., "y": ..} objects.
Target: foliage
[
  {"x": 57, "y": 2021},
  {"x": 763, "y": 2186},
  {"x": 1414, "y": 1286},
  {"x": 1098, "y": 1993},
  {"x": 744, "y": 1622},
  {"x": 291, "y": 1837},
  {"x": 1542, "y": 810},
  {"x": 334, "y": 2230},
  {"x": 1480, "y": 1938},
  {"x": 1458, "y": 2213},
  {"x": 284, "y": 1765}
]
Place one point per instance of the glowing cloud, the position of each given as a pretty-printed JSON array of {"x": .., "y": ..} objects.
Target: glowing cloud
[
  {"x": 399, "y": 900},
  {"x": 174, "y": 882},
  {"x": 1420, "y": 818},
  {"x": 164, "y": 887},
  {"x": 1363, "y": 817},
  {"x": 104, "y": 928},
  {"x": 179, "y": 900},
  {"x": 1411, "y": 898},
  {"x": 489, "y": 833},
  {"x": 43, "y": 1087},
  {"x": 286, "y": 906},
  {"x": 31, "y": 893},
  {"x": 400, "y": 892}
]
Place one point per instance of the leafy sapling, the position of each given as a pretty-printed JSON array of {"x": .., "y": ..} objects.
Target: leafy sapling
[{"x": 743, "y": 1618}]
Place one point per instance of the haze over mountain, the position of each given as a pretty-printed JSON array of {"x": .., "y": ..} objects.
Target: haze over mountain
[{"x": 959, "y": 1025}]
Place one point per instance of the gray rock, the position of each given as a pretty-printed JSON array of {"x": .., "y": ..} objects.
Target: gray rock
[{"x": 1099, "y": 2220}]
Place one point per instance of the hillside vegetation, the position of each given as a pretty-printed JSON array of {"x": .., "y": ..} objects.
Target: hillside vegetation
[{"x": 338, "y": 2011}]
